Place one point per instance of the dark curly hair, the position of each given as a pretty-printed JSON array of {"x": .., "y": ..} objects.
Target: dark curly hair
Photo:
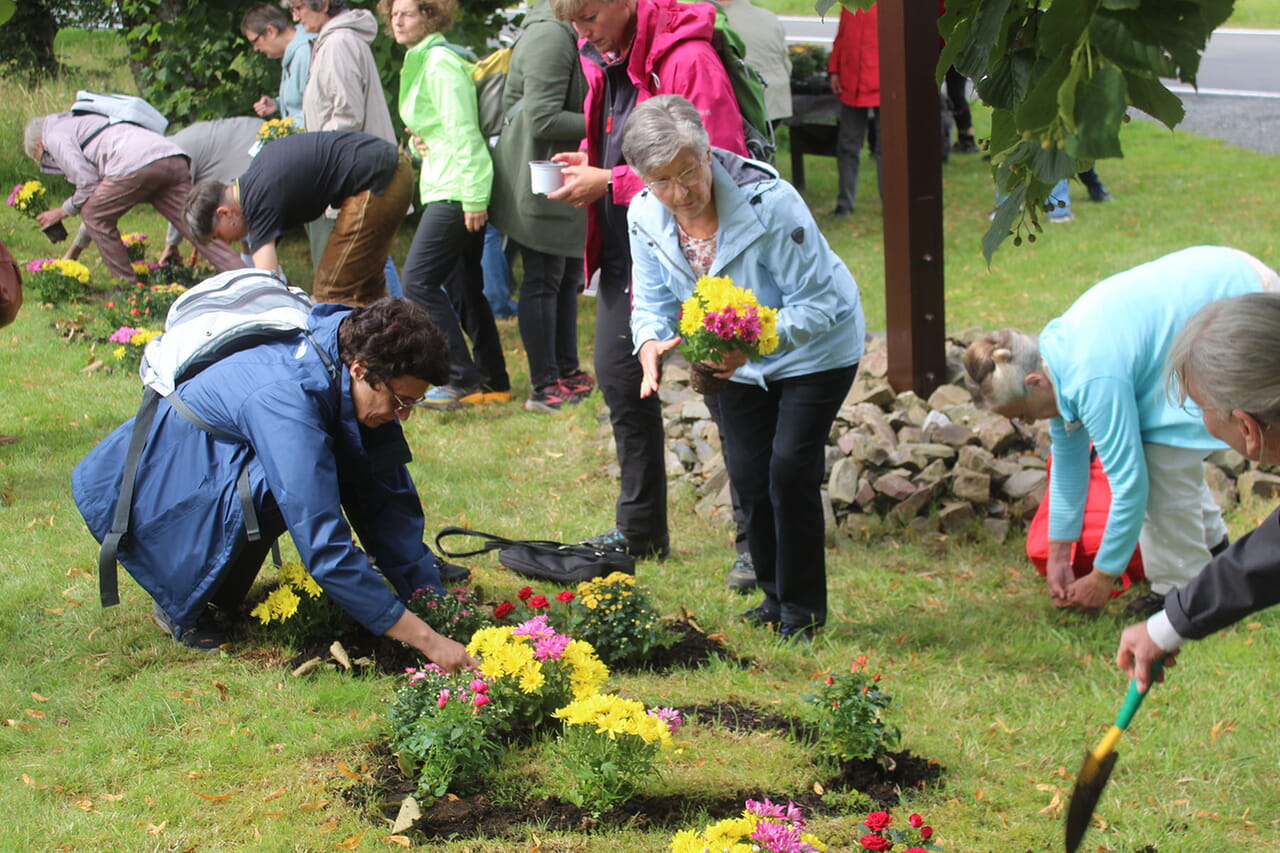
[{"x": 394, "y": 338}]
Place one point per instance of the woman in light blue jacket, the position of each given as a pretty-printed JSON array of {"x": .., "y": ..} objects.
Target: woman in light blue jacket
[{"x": 710, "y": 212}]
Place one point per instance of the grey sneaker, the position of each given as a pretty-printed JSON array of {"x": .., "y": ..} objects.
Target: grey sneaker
[
  {"x": 742, "y": 577},
  {"x": 203, "y": 637}
]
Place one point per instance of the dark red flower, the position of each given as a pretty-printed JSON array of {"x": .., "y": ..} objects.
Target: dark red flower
[
  {"x": 503, "y": 610},
  {"x": 538, "y": 601},
  {"x": 524, "y": 593},
  {"x": 916, "y": 821},
  {"x": 877, "y": 821},
  {"x": 875, "y": 842},
  {"x": 565, "y": 596},
  {"x": 926, "y": 832}
]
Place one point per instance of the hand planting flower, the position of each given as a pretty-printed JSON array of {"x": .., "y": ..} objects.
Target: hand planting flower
[
  {"x": 720, "y": 318},
  {"x": 29, "y": 199},
  {"x": 848, "y": 709},
  {"x": 764, "y": 826},
  {"x": 883, "y": 837}
]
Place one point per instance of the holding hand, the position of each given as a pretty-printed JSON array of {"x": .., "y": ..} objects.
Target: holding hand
[
  {"x": 1138, "y": 653},
  {"x": 583, "y": 184},
  {"x": 265, "y": 106},
  {"x": 51, "y": 217}
]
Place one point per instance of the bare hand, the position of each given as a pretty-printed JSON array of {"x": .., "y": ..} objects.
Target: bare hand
[
  {"x": 1059, "y": 575},
  {"x": 1138, "y": 653},
  {"x": 51, "y": 217},
  {"x": 264, "y": 106},
  {"x": 583, "y": 184},
  {"x": 475, "y": 220},
  {"x": 170, "y": 255},
  {"x": 419, "y": 144},
  {"x": 836, "y": 87},
  {"x": 449, "y": 655},
  {"x": 1092, "y": 591},
  {"x": 650, "y": 355},
  {"x": 728, "y": 363}
]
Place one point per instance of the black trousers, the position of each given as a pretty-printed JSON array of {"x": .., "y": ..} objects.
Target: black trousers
[
  {"x": 443, "y": 272},
  {"x": 777, "y": 439},
  {"x": 548, "y": 314}
]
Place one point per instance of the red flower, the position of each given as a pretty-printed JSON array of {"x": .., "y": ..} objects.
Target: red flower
[
  {"x": 503, "y": 610},
  {"x": 926, "y": 832},
  {"x": 538, "y": 601},
  {"x": 830, "y": 680},
  {"x": 916, "y": 821},
  {"x": 877, "y": 821},
  {"x": 524, "y": 593},
  {"x": 479, "y": 700},
  {"x": 875, "y": 842},
  {"x": 565, "y": 596}
]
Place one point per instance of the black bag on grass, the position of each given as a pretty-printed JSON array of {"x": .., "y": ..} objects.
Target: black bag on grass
[{"x": 544, "y": 559}]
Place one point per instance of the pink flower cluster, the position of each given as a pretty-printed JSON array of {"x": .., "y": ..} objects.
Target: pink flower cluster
[
  {"x": 727, "y": 324},
  {"x": 13, "y": 196},
  {"x": 781, "y": 827},
  {"x": 123, "y": 335},
  {"x": 40, "y": 263},
  {"x": 479, "y": 694},
  {"x": 547, "y": 644},
  {"x": 670, "y": 716}
]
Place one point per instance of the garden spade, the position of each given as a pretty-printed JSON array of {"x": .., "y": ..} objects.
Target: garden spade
[{"x": 1098, "y": 764}]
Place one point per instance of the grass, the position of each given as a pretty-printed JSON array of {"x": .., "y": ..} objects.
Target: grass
[
  {"x": 115, "y": 739},
  {"x": 1251, "y": 14}
]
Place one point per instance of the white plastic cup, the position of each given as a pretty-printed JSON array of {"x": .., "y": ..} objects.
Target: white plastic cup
[{"x": 545, "y": 176}]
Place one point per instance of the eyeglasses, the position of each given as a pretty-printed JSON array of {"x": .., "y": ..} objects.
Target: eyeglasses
[
  {"x": 253, "y": 42},
  {"x": 403, "y": 405},
  {"x": 689, "y": 178}
]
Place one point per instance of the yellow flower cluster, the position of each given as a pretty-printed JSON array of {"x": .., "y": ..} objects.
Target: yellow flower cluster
[
  {"x": 71, "y": 269},
  {"x": 713, "y": 294},
  {"x": 282, "y": 602},
  {"x": 613, "y": 715},
  {"x": 731, "y": 835},
  {"x": 26, "y": 193},
  {"x": 277, "y": 128},
  {"x": 142, "y": 337},
  {"x": 591, "y": 593},
  {"x": 140, "y": 269},
  {"x": 503, "y": 653}
]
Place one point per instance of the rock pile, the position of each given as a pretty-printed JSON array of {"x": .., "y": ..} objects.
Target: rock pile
[{"x": 896, "y": 460}]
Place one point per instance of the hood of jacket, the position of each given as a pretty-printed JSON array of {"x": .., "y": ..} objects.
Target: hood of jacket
[
  {"x": 539, "y": 13},
  {"x": 361, "y": 22},
  {"x": 660, "y": 26}
]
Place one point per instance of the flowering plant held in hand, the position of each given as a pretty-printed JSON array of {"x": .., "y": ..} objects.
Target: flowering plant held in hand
[
  {"x": 535, "y": 670},
  {"x": 445, "y": 730},
  {"x": 135, "y": 246},
  {"x": 763, "y": 826},
  {"x": 849, "y": 709},
  {"x": 610, "y": 745},
  {"x": 277, "y": 128},
  {"x": 882, "y": 837},
  {"x": 721, "y": 317},
  {"x": 56, "y": 281},
  {"x": 29, "y": 199}
]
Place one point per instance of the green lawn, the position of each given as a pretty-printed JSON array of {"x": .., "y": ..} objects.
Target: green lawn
[
  {"x": 115, "y": 739},
  {"x": 1252, "y": 14}
]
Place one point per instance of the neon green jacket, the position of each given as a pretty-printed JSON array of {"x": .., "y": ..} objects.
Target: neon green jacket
[{"x": 438, "y": 103}]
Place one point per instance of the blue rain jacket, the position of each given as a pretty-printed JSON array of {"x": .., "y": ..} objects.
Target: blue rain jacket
[{"x": 298, "y": 434}]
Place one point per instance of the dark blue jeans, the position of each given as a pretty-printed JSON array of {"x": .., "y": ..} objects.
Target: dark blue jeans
[
  {"x": 444, "y": 254},
  {"x": 548, "y": 314},
  {"x": 777, "y": 442}
]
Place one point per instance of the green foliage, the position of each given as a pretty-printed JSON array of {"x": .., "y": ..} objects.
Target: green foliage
[
  {"x": 56, "y": 282},
  {"x": 849, "y": 709},
  {"x": 445, "y": 731},
  {"x": 141, "y": 305},
  {"x": 609, "y": 751},
  {"x": 617, "y": 616},
  {"x": 455, "y": 613}
]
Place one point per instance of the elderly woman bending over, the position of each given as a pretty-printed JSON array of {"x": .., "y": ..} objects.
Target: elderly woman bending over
[
  {"x": 1097, "y": 372},
  {"x": 710, "y": 212}
]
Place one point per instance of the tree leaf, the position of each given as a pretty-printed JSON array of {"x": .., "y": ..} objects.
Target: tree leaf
[
  {"x": 984, "y": 32},
  {"x": 1005, "y": 85},
  {"x": 1041, "y": 104},
  {"x": 1154, "y": 99},
  {"x": 1063, "y": 23},
  {"x": 1001, "y": 226},
  {"x": 1100, "y": 107}
]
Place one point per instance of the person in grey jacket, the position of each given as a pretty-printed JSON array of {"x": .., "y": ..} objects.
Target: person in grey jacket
[
  {"x": 708, "y": 212},
  {"x": 1225, "y": 361},
  {"x": 543, "y": 99}
]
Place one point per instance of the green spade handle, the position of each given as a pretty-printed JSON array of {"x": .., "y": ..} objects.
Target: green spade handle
[{"x": 1133, "y": 700}]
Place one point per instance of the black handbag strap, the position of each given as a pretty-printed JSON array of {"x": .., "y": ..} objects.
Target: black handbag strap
[{"x": 492, "y": 542}]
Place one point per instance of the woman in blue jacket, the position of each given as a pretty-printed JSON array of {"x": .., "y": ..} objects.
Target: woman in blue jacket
[
  {"x": 711, "y": 212},
  {"x": 325, "y": 457}
]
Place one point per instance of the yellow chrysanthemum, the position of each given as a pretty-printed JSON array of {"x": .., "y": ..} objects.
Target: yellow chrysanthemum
[
  {"x": 296, "y": 576},
  {"x": 586, "y": 671},
  {"x": 614, "y": 716},
  {"x": 72, "y": 269},
  {"x": 143, "y": 336},
  {"x": 278, "y": 606},
  {"x": 118, "y": 353}
]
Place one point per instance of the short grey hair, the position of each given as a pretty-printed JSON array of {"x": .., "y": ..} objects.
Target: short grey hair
[
  {"x": 661, "y": 129},
  {"x": 200, "y": 212},
  {"x": 996, "y": 367},
  {"x": 33, "y": 135},
  {"x": 1228, "y": 351},
  {"x": 335, "y": 6}
]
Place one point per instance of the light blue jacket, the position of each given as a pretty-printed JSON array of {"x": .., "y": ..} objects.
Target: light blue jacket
[
  {"x": 768, "y": 243},
  {"x": 295, "y": 64},
  {"x": 1106, "y": 357}
]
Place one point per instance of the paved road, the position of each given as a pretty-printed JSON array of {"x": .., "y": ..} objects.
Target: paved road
[{"x": 1239, "y": 83}]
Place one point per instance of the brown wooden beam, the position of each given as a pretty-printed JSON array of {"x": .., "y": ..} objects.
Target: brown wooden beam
[{"x": 911, "y": 168}]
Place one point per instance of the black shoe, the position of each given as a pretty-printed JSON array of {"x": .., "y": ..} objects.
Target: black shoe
[
  {"x": 841, "y": 211},
  {"x": 762, "y": 616},
  {"x": 614, "y": 539},
  {"x": 742, "y": 577},
  {"x": 965, "y": 144},
  {"x": 452, "y": 572},
  {"x": 1098, "y": 192},
  {"x": 798, "y": 632},
  {"x": 204, "y": 636},
  {"x": 1147, "y": 605}
]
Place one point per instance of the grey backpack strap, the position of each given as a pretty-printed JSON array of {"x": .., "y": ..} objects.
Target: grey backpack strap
[{"x": 108, "y": 586}]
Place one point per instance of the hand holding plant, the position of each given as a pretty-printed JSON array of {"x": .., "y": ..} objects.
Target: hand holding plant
[{"x": 849, "y": 709}]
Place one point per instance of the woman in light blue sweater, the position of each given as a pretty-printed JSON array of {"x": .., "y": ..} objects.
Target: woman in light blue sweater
[{"x": 1097, "y": 372}]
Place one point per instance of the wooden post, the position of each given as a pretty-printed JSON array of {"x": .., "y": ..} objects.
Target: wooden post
[{"x": 911, "y": 167}]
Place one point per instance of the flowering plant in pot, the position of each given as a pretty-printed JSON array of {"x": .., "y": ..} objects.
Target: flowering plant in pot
[
  {"x": 763, "y": 826},
  {"x": 445, "y": 730},
  {"x": 29, "y": 199},
  {"x": 610, "y": 746},
  {"x": 720, "y": 318},
  {"x": 534, "y": 670},
  {"x": 277, "y": 128},
  {"x": 849, "y": 709},
  {"x": 56, "y": 281},
  {"x": 883, "y": 836},
  {"x": 135, "y": 245}
]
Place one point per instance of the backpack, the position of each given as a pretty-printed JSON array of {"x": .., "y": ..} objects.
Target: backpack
[
  {"x": 544, "y": 559},
  {"x": 748, "y": 86},
  {"x": 128, "y": 109},
  {"x": 230, "y": 312},
  {"x": 490, "y": 76}
]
